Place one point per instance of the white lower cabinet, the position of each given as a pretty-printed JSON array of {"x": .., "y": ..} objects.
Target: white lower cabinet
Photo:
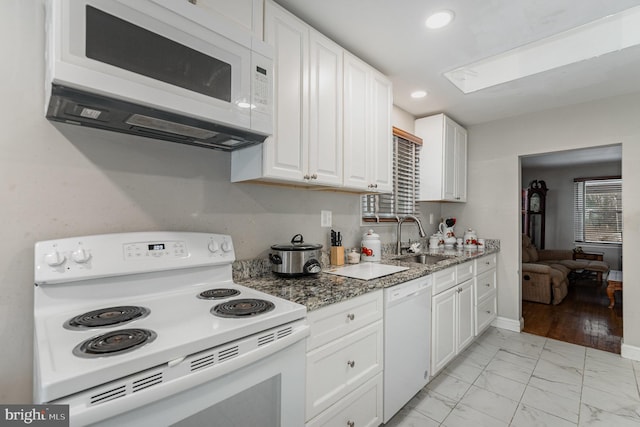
[
  {"x": 452, "y": 322},
  {"x": 486, "y": 304},
  {"x": 344, "y": 363},
  {"x": 363, "y": 408}
]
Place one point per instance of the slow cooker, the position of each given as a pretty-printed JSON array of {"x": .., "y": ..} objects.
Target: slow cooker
[{"x": 296, "y": 258}]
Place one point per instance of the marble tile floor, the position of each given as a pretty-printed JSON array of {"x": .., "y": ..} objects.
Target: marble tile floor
[{"x": 510, "y": 379}]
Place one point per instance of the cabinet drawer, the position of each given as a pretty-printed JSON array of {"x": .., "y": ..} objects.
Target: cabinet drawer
[
  {"x": 485, "y": 263},
  {"x": 485, "y": 283},
  {"x": 443, "y": 280},
  {"x": 338, "y": 368},
  {"x": 486, "y": 311},
  {"x": 464, "y": 271},
  {"x": 362, "y": 408},
  {"x": 330, "y": 323}
]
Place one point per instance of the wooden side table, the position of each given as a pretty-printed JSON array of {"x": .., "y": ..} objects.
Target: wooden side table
[
  {"x": 614, "y": 283},
  {"x": 591, "y": 256}
]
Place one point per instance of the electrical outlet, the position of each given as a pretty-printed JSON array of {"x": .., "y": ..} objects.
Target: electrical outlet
[{"x": 325, "y": 218}]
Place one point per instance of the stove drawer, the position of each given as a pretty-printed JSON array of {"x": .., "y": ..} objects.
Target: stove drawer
[{"x": 338, "y": 368}]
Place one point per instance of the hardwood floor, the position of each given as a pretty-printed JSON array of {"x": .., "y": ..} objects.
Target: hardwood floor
[{"x": 583, "y": 317}]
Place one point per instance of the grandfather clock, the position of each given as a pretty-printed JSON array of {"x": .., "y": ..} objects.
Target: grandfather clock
[{"x": 534, "y": 212}]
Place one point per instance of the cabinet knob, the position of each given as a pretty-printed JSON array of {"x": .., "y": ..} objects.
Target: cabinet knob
[
  {"x": 488, "y": 285},
  {"x": 306, "y": 177},
  {"x": 351, "y": 424},
  {"x": 351, "y": 363},
  {"x": 351, "y": 316},
  {"x": 314, "y": 176},
  {"x": 459, "y": 290},
  {"x": 488, "y": 311}
]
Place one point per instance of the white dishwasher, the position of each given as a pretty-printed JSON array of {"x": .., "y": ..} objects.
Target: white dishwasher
[{"x": 407, "y": 337}]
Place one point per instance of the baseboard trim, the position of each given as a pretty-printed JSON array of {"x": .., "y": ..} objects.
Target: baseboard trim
[
  {"x": 508, "y": 324},
  {"x": 630, "y": 351}
]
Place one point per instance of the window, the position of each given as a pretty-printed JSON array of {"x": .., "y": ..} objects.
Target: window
[
  {"x": 406, "y": 180},
  {"x": 598, "y": 210}
]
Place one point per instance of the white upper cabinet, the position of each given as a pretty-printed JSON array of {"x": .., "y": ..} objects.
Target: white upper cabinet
[
  {"x": 306, "y": 145},
  {"x": 247, "y": 14},
  {"x": 332, "y": 115},
  {"x": 443, "y": 159},
  {"x": 325, "y": 110},
  {"x": 367, "y": 127}
]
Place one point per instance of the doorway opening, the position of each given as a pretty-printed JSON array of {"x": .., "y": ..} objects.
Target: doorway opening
[{"x": 583, "y": 315}]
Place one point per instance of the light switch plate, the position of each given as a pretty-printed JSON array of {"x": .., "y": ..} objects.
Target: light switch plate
[{"x": 325, "y": 218}]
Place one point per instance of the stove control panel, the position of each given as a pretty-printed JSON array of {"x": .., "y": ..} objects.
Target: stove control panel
[
  {"x": 90, "y": 257},
  {"x": 175, "y": 249}
]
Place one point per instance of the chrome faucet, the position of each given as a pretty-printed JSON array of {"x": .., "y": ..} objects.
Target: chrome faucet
[{"x": 399, "y": 231}]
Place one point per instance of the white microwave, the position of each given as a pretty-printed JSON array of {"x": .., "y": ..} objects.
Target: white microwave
[{"x": 163, "y": 69}]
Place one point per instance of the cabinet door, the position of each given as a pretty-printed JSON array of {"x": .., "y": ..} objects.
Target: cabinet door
[
  {"x": 362, "y": 408},
  {"x": 460, "y": 164},
  {"x": 449, "y": 166},
  {"x": 466, "y": 315},
  {"x": 382, "y": 137},
  {"x": 285, "y": 152},
  {"x": 245, "y": 13},
  {"x": 443, "y": 329},
  {"x": 325, "y": 110},
  {"x": 338, "y": 368},
  {"x": 356, "y": 131}
]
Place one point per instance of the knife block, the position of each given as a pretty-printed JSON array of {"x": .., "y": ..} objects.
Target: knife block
[{"x": 337, "y": 255}]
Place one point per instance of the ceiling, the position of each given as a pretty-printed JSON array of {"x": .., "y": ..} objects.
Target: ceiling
[
  {"x": 584, "y": 156},
  {"x": 391, "y": 36}
]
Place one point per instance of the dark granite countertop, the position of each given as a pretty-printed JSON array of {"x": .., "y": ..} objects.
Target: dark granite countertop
[{"x": 324, "y": 289}]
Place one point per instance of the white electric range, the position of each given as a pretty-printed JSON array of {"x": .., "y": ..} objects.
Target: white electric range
[{"x": 150, "y": 327}]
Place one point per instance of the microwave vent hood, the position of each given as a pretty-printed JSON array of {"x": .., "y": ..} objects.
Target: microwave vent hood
[{"x": 69, "y": 105}]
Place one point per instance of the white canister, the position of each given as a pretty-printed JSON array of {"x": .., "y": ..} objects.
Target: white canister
[
  {"x": 470, "y": 237},
  {"x": 370, "y": 246},
  {"x": 353, "y": 257}
]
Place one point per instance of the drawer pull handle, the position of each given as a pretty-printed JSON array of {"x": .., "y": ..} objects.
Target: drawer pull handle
[
  {"x": 351, "y": 363},
  {"x": 351, "y": 316},
  {"x": 351, "y": 424}
]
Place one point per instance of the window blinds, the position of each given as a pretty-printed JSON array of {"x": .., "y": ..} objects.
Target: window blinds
[
  {"x": 598, "y": 210},
  {"x": 406, "y": 182}
]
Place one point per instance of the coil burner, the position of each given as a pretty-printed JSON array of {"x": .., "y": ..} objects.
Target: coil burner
[
  {"x": 242, "y": 308},
  {"x": 218, "y": 293},
  {"x": 110, "y": 316},
  {"x": 114, "y": 342}
]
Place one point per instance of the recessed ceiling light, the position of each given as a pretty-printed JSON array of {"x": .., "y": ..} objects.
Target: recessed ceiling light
[
  {"x": 439, "y": 19},
  {"x": 609, "y": 34},
  {"x": 418, "y": 94}
]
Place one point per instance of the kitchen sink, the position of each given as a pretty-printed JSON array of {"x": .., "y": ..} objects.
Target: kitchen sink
[{"x": 424, "y": 259}]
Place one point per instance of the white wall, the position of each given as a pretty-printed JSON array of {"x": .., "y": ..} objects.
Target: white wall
[
  {"x": 559, "y": 205},
  {"x": 70, "y": 181},
  {"x": 493, "y": 205}
]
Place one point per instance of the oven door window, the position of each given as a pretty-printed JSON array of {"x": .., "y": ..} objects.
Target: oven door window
[
  {"x": 119, "y": 43},
  {"x": 252, "y": 407}
]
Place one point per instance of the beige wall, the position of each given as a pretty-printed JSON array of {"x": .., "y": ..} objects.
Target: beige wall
[{"x": 494, "y": 185}]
